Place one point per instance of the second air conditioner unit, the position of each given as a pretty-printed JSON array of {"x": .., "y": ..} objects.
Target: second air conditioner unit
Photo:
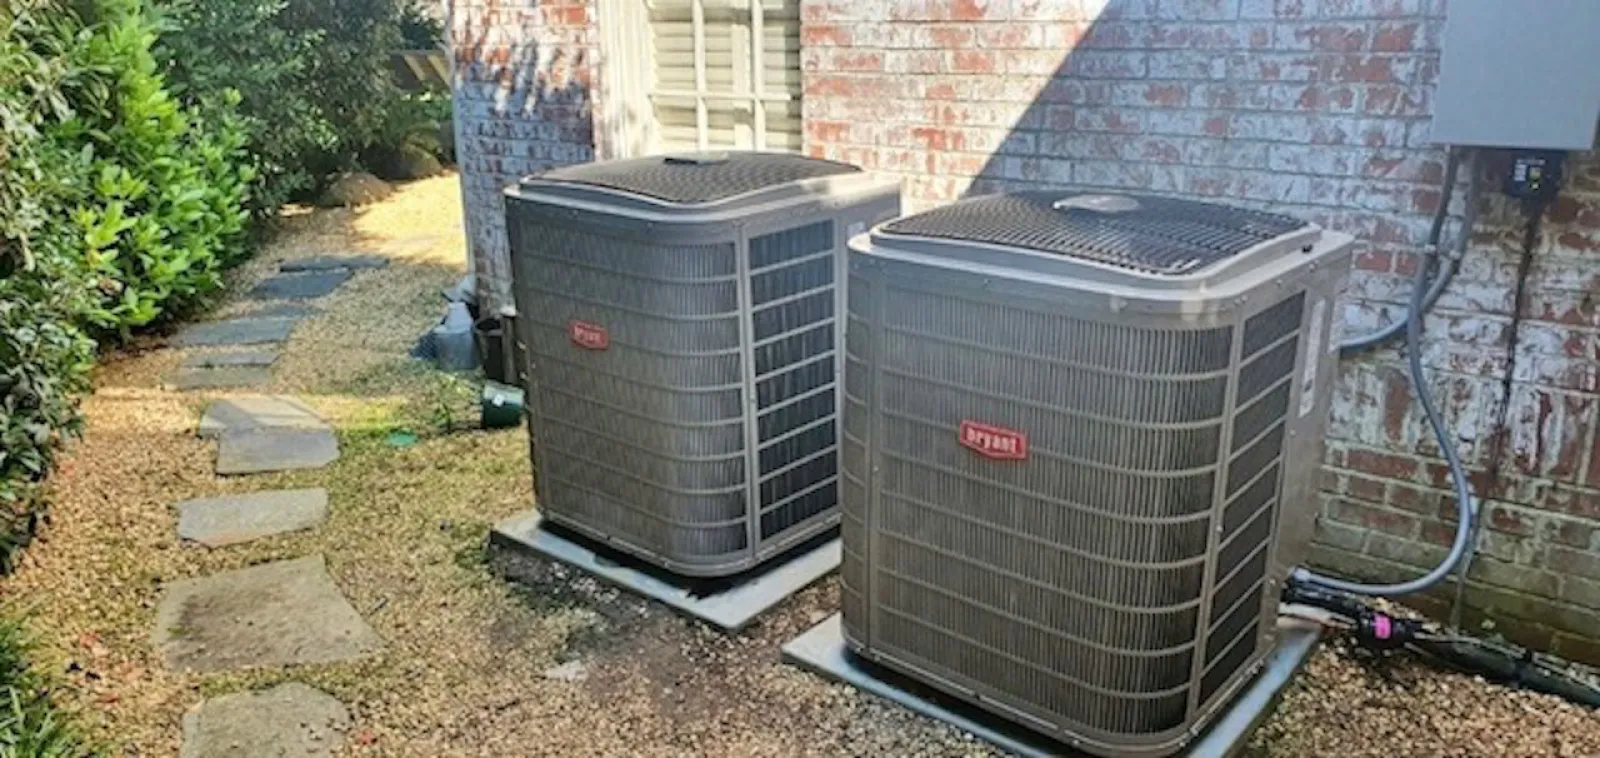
[{"x": 1081, "y": 440}]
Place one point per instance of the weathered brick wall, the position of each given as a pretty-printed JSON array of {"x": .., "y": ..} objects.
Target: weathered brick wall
[
  {"x": 523, "y": 72},
  {"x": 1315, "y": 107}
]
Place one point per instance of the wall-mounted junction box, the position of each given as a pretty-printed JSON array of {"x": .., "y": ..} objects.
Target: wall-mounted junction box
[{"x": 1519, "y": 73}]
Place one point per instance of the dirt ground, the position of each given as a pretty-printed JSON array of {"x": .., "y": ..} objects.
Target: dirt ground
[{"x": 497, "y": 655}]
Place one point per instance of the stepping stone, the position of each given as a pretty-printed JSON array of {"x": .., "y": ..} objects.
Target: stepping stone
[
  {"x": 238, "y": 331},
  {"x": 258, "y": 412},
  {"x": 230, "y": 520},
  {"x": 283, "y": 310},
  {"x": 300, "y": 286},
  {"x": 226, "y": 376},
  {"x": 291, "y": 719},
  {"x": 229, "y": 360},
  {"x": 265, "y": 450},
  {"x": 332, "y": 262},
  {"x": 276, "y": 614}
]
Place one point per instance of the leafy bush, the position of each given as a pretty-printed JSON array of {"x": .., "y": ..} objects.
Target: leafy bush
[
  {"x": 164, "y": 213},
  {"x": 317, "y": 95},
  {"x": 45, "y": 288},
  {"x": 210, "y": 46},
  {"x": 44, "y": 364},
  {"x": 349, "y": 74},
  {"x": 415, "y": 124},
  {"x": 419, "y": 29}
]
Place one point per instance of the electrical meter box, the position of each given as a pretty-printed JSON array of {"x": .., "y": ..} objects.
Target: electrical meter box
[{"x": 1519, "y": 74}]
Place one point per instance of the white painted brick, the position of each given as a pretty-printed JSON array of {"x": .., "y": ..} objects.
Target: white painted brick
[
  {"x": 1228, "y": 153},
  {"x": 1280, "y": 67},
  {"x": 1033, "y": 62},
  {"x": 880, "y": 34},
  {"x": 1168, "y": 179},
  {"x": 1371, "y": 8},
  {"x": 1272, "y": 126},
  {"x": 1116, "y": 9},
  {"x": 1187, "y": 64},
  {"x": 1186, "y": 123},
  {"x": 1233, "y": 96},
  {"x": 1195, "y": 10},
  {"x": 1318, "y": 160},
  {"x": 1094, "y": 64},
  {"x": 1257, "y": 9},
  {"x": 1053, "y": 10},
  {"x": 1110, "y": 174}
]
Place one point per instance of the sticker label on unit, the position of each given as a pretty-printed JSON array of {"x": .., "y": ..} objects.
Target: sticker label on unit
[
  {"x": 589, "y": 336},
  {"x": 994, "y": 442},
  {"x": 1308, "y": 373}
]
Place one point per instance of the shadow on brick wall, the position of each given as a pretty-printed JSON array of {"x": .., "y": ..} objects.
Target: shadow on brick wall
[{"x": 523, "y": 72}]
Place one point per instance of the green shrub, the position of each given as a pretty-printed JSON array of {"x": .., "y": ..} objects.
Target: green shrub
[
  {"x": 415, "y": 124},
  {"x": 317, "y": 93},
  {"x": 349, "y": 76},
  {"x": 46, "y": 291},
  {"x": 419, "y": 29},
  {"x": 164, "y": 212},
  {"x": 209, "y": 46}
]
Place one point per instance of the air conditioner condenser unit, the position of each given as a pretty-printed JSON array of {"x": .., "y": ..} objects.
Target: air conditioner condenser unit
[
  {"x": 682, "y": 322},
  {"x": 1081, "y": 436}
]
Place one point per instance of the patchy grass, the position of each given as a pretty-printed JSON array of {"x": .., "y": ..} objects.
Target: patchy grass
[{"x": 30, "y": 724}]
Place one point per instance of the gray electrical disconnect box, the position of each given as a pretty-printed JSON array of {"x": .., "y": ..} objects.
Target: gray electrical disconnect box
[{"x": 1519, "y": 73}]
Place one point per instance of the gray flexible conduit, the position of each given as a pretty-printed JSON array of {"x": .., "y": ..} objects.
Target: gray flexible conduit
[
  {"x": 1447, "y": 265},
  {"x": 1466, "y": 506}
]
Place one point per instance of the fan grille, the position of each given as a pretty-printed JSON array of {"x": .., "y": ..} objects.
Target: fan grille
[
  {"x": 698, "y": 178},
  {"x": 1154, "y": 235}
]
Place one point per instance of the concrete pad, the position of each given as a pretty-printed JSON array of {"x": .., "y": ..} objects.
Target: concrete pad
[
  {"x": 330, "y": 262},
  {"x": 267, "y": 450},
  {"x": 255, "y": 412},
  {"x": 239, "y": 331},
  {"x": 220, "y": 377},
  {"x": 822, "y": 650},
  {"x": 230, "y": 520},
  {"x": 300, "y": 286},
  {"x": 730, "y": 607},
  {"x": 230, "y": 360},
  {"x": 289, "y": 719},
  {"x": 275, "y": 614}
]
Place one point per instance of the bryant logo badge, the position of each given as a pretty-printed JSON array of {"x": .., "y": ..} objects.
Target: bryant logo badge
[
  {"x": 994, "y": 442},
  {"x": 589, "y": 336}
]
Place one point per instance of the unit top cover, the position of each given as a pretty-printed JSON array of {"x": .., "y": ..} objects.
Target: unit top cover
[
  {"x": 1155, "y": 236},
  {"x": 695, "y": 178}
]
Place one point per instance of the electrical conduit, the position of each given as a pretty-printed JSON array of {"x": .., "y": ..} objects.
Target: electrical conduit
[{"x": 1423, "y": 293}]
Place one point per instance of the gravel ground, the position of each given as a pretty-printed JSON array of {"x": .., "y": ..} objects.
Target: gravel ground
[
  {"x": 1350, "y": 702},
  {"x": 496, "y": 655}
]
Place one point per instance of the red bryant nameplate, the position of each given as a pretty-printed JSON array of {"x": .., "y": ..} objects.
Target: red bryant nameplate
[
  {"x": 589, "y": 336},
  {"x": 994, "y": 442}
]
